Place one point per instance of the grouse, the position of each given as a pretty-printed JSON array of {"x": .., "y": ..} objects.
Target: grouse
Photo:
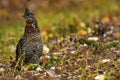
[{"x": 30, "y": 45}]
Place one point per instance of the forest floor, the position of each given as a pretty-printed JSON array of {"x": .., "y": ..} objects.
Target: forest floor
[{"x": 78, "y": 45}]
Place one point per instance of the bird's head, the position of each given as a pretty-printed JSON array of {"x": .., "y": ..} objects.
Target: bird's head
[{"x": 29, "y": 16}]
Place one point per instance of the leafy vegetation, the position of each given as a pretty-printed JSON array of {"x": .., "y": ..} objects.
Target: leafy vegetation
[{"x": 80, "y": 42}]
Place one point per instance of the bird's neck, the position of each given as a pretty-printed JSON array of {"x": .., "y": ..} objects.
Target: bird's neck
[{"x": 31, "y": 27}]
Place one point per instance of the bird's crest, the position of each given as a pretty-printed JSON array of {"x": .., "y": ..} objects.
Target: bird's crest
[{"x": 27, "y": 11}]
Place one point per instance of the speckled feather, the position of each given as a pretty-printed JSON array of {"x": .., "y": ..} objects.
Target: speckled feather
[{"x": 31, "y": 43}]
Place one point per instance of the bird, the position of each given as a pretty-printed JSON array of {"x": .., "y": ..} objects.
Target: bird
[{"x": 30, "y": 44}]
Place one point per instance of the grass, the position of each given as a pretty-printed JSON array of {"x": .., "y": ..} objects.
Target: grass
[{"x": 72, "y": 56}]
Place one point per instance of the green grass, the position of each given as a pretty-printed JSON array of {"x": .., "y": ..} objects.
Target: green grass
[
  {"x": 9, "y": 36},
  {"x": 61, "y": 24}
]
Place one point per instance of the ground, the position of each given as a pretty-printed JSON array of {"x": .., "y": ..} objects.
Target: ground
[{"x": 80, "y": 44}]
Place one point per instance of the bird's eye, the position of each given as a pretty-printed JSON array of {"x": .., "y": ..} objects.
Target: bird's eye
[{"x": 28, "y": 14}]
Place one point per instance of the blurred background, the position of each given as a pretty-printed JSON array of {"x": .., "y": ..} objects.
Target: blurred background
[{"x": 55, "y": 18}]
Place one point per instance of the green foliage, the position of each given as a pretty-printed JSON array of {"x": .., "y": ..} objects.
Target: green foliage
[
  {"x": 52, "y": 62},
  {"x": 113, "y": 44},
  {"x": 76, "y": 59}
]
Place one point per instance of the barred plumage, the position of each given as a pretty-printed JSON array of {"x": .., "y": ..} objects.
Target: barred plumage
[{"x": 30, "y": 44}]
